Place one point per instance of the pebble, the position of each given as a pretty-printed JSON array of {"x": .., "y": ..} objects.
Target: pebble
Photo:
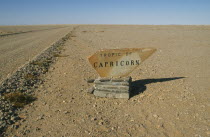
[
  {"x": 101, "y": 122},
  {"x": 91, "y": 90},
  {"x": 40, "y": 117},
  {"x": 93, "y": 119},
  {"x": 155, "y": 116},
  {"x": 132, "y": 120},
  {"x": 90, "y": 80},
  {"x": 37, "y": 129},
  {"x": 66, "y": 112},
  {"x": 14, "y": 118},
  {"x": 15, "y": 126}
]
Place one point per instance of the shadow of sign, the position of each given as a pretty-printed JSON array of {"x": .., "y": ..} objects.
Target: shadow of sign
[{"x": 139, "y": 86}]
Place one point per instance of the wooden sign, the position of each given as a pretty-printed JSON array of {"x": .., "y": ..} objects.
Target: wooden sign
[{"x": 119, "y": 62}]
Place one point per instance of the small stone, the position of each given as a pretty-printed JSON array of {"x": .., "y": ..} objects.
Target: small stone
[
  {"x": 14, "y": 118},
  {"x": 37, "y": 129},
  {"x": 90, "y": 80},
  {"x": 91, "y": 90},
  {"x": 15, "y": 126},
  {"x": 101, "y": 122},
  {"x": 155, "y": 116},
  {"x": 93, "y": 119},
  {"x": 142, "y": 95},
  {"x": 66, "y": 112},
  {"x": 40, "y": 117}
]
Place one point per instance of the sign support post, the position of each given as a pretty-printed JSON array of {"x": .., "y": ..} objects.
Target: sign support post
[{"x": 113, "y": 88}]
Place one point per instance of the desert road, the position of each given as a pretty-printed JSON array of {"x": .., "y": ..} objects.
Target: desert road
[
  {"x": 17, "y": 49},
  {"x": 170, "y": 95}
]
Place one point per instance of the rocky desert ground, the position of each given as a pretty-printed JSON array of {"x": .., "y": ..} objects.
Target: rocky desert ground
[{"x": 170, "y": 95}]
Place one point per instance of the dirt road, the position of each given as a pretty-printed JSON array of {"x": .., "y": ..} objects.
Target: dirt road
[
  {"x": 170, "y": 98},
  {"x": 15, "y": 50},
  {"x": 13, "y": 30}
]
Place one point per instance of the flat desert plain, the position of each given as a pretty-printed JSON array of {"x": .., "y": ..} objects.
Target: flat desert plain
[{"x": 171, "y": 95}]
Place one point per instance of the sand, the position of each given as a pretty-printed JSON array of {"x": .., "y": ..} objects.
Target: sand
[{"x": 171, "y": 97}]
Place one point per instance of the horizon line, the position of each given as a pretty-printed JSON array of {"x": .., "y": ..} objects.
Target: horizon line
[{"x": 112, "y": 24}]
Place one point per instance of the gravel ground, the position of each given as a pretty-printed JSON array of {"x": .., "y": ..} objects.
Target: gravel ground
[{"x": 170, "y": 95}]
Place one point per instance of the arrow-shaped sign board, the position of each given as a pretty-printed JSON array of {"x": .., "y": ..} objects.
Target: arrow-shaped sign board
[{"x": 119, "y": 62}]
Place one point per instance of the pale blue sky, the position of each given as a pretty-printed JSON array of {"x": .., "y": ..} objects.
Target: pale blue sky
[{"x": 27, "y": 12}]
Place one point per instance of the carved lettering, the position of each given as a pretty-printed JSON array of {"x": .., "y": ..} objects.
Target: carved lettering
[
  {"x": 115, "y": 64},
  {"x": 95, "y": 64},
  {"x": 132, "y": 62},
  {"x": 121, "y": 63},
  {"x": 137, "y": 62},
  {"x": 127, "y": 63}
]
